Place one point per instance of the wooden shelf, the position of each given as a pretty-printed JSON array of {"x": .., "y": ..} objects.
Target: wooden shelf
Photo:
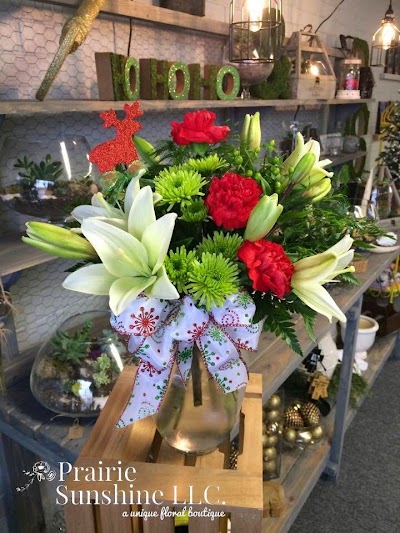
[
  {"x": 154, "y": 14},
  {"x": 344, "y": 158},
  {"x": 276, "y": 361},
  {"x": 15, "y": 255},
  {"x": 30, "y": 107},
  {"x": 301, "y": 469}
]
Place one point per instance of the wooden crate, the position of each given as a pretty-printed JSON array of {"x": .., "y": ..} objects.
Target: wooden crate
[{"x": 181, "y": 478}]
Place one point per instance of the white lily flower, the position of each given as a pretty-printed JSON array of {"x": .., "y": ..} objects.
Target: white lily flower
[
  {"x": 132, "y": 261},
  {"x": 316, "y": 176},
  {"x": 116, "y": 216},
  {"x": 311, "y": 273}
]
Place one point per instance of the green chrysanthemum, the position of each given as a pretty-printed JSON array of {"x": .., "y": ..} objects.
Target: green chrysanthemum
[
  {"x": 196, "y": 211},
  {"x": 177, "y": 264},
  {"x": 206, "y": 165},
  {"x": 178, "y": 186},
  {"x": 213, "y": 279},
  {"x": 221, "y": 243}
]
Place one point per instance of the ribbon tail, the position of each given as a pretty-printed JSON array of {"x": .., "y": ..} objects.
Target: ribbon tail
[{"x": 148, "y": 391}]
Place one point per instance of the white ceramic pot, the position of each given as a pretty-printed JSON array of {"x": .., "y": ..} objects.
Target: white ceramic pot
[{"x": 367, "y": 328}]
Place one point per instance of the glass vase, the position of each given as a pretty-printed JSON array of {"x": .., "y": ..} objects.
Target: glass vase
[
  {"x": 76, "y": 369},
  {"x": 46, "y": 178},
  {"x": 198, "y": 417}
]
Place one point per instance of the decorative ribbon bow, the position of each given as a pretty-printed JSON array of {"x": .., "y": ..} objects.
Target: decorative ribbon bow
[{"x": 162, "y": 332}]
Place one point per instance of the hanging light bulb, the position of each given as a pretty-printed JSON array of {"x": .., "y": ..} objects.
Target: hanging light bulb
[
  {"x": 385, "y": 38},
  {"x": 254, "y": 10}
]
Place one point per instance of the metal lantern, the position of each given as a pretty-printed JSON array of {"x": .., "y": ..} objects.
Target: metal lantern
[
  {"x": 386, "y": 40},
  {"x": 256, "y": 33}
]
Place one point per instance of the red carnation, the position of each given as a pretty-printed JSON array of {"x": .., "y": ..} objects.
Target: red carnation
[
  {"x": 231, "y": 199},
  {"x": 198, "y": 127},
  {"x": 267, "y": 266}
]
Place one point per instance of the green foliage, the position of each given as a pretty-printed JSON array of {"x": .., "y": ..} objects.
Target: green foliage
[
  {"x": 390, "y": 156},
  {"x": 277, "y": 86},
  {"x": 279, "y": 317},
  {"x": 46, "y": 170},
  {"x": 72, "y": 347},
  {"x": 359, "y": 387},
  {"x": 104, "y": 369}
]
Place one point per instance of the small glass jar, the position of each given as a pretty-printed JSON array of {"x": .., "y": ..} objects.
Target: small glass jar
[{"x": 349, "y": 76}]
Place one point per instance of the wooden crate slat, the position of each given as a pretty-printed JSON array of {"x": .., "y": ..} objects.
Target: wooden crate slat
[
  {"x": 251, "y": 523},
  {"x": 170, "y": 456},
  {"x": 79, "y": 518},
  {"x": 111, "y": 518},
  {"x": 203, "y": 525}
]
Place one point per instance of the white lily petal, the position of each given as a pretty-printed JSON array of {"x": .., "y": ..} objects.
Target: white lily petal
[
  {"x": 117, "y": 222},
  {"x": 342, "y": 246},
  {"x": 141, "y": 214},
  {"x": 98, "y": 200},
  {"x": 344, "y": 260},
  {"x": 314, "y": 147},
  {"x": 320, "y": 300},
  {"x": 296, "y": 155},
  {"x": 90, "y": 279},
  {"x": 162, "y": 288},
  {"x": 87, "y": 211},
  {"x": 120, "y": 252},
  {"x": 314, "y": 268},
  {"x": 131, "y": 192},
  {"x": 156, "y": 239},
  {"x": 323, "y": 163},
  {"x": 124, "y": 290}
]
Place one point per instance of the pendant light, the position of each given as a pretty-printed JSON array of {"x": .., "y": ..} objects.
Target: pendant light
[
  {"x": 256, "y": 32},
  {"x": 386, "y": 38}
]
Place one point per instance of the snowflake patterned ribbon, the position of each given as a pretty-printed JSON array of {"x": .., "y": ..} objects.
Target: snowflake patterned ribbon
[{"x": 162, "y": 332}]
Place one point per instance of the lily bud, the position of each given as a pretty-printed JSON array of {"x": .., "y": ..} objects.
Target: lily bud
[
  {"x": 58, "y": 241},
  {"x": 254, "y": 136},
  {"x": 244, "y": 134},
  {"x": 303, "y": 168},
  {"x": 263, "y": 218},
  {"x": 318, "y": 191}
]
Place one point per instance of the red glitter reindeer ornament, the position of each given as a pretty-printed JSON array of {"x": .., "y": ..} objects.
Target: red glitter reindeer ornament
[{"x": 121, "y": 149}]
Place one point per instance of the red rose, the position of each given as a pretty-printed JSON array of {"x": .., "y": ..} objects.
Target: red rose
[
  {"x": 231, "y": 199},
  {"x": 198, "y": 127},
  {"x": 267, "y": 266}
]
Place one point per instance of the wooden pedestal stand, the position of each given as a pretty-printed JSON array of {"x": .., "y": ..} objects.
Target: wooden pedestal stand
[{"x": 181, "y": 478}]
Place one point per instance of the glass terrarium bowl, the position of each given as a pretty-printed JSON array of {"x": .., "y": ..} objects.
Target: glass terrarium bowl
[
  {"x": 46, "y": 178},
  {"x": 76, "y": 369}
]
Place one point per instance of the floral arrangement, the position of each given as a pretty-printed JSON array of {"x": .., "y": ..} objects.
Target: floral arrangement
[{"x": 207, "y": 242}]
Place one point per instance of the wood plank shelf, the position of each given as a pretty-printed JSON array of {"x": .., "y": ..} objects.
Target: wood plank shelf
[
  {"x": 276, "y": 361},
  {"x": 158, "y": 15},
  {"x": 345, "y": 158},
  {"x": 15, "y": 255},
  {"x": 52, "y": 106},
  {"x": 312, "y": 460}
]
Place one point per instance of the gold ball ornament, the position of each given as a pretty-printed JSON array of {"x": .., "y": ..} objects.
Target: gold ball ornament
[
  {"x": 292, "y": 417},
  {"x": 269, "y": 466},
  {"x": 274, "y": 402},
  {"x": 290, "y": 434},
  {"x": 269, "y": 454},
  {"x": 272, "y": 428},
  {"x": 272, "y": 416},
  {"x": 305, "y": 436},
  {"x": 269, "y": 440},
  {"x": 317, "y": 432},
  {"x": 310, "y": 413}
]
